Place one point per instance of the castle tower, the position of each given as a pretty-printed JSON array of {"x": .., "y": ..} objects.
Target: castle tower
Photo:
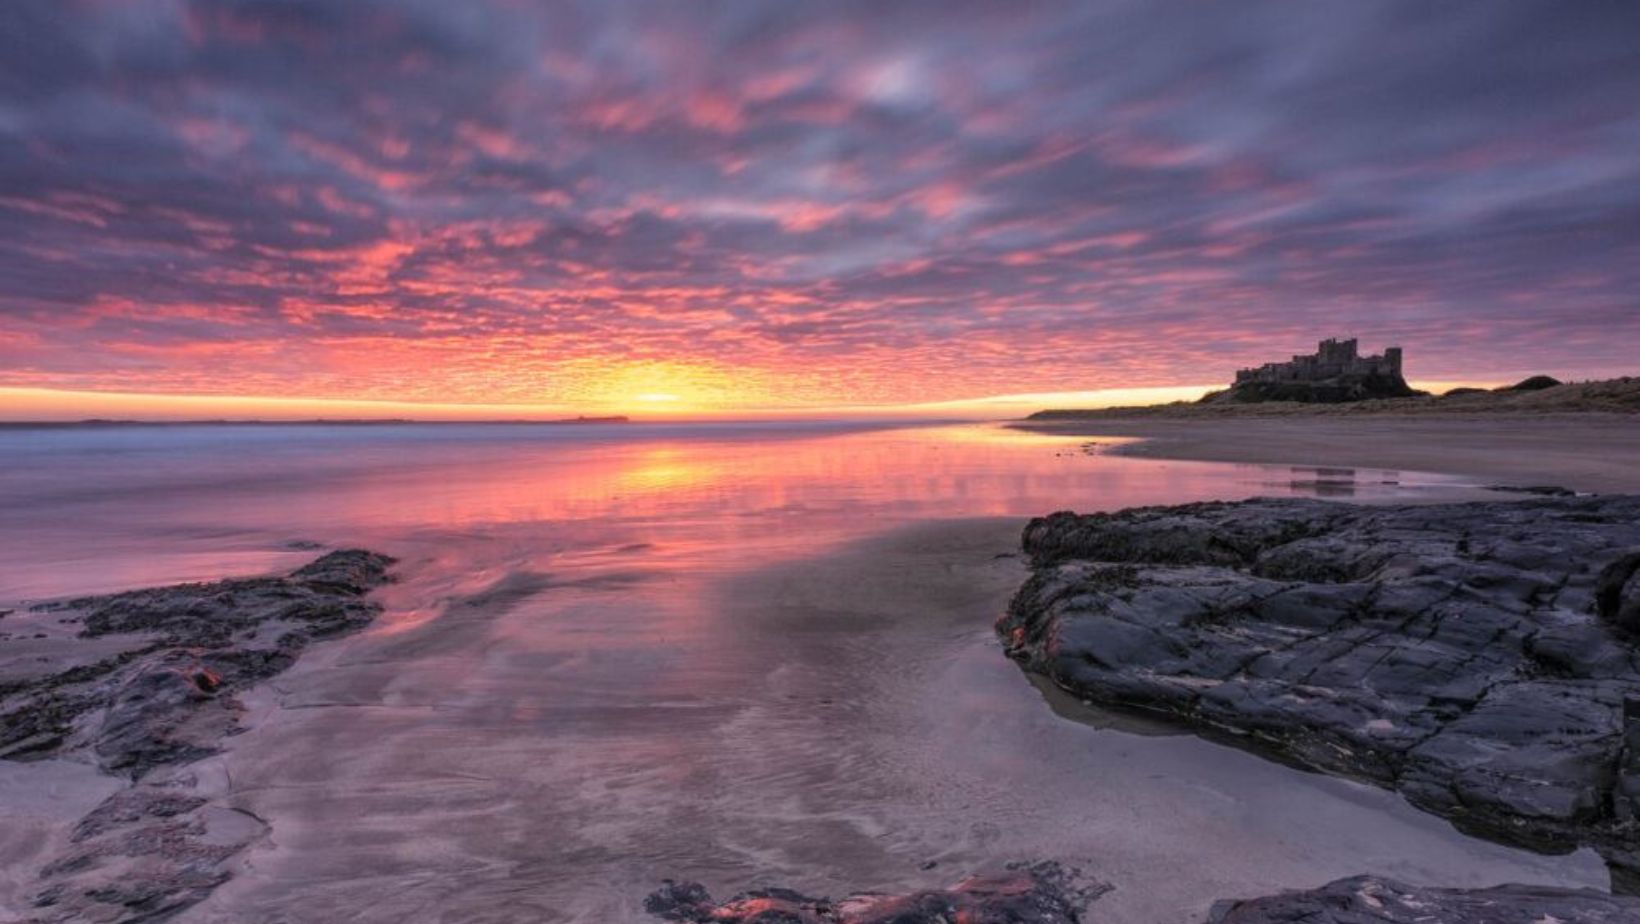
[
  {"x": 1333, "y": 358},
  {"x": 1336, "y": 351}
]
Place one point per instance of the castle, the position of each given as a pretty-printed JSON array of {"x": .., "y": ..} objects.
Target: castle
[{"x": 1333, "y": 359}]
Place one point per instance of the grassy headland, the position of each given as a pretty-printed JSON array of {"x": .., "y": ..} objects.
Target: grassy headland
[{"x": 1612, "y": 396}]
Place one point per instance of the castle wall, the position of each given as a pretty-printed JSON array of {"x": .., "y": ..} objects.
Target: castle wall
[{"x": 1332, "y": 359}]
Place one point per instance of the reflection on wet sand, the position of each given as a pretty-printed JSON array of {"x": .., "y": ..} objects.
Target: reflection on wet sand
[
  {"x": 727, "y": 657},
  {"x": 104, "y": 511},
  {"x": 1317, "y": 481}
]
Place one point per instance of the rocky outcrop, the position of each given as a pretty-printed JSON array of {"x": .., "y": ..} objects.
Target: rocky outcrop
[
  {"x": 164, "y": 697},
  {"x": 1343, "y": 389},
  {"x": 151, "y": 690},
  {"x": 1370, "y": 900},
  {"x": 1479, "y": 658},
  {"x": 1042, "y": 894},
  {"x": 1048, "y": 894}
]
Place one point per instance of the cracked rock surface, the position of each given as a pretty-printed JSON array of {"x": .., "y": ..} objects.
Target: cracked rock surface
[
  {"x": 1479, "y": 658},
  {"x": 143, "y": 685},
  {"x": 1047, "y": 893},
  {"x": 1044, "y": 893},
  {"x": 1370, "y": 900}
]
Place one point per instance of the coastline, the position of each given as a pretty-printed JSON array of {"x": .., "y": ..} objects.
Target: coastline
[
  {"x": 1585, "y": 452},
  {"x": 1534, "y": 396},
  {"x": 790, "y": 700}
]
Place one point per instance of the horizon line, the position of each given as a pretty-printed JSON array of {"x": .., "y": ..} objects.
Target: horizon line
[{"x": 68, "y": 407}]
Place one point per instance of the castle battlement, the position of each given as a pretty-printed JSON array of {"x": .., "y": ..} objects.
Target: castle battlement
[{"x": 1333, "y": 359}]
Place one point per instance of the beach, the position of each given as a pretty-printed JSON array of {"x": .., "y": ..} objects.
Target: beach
[
  {"x": 750, "y": 657},
  {"x": 1584, "y": 452},
  {"x": 771, "y": 463}
]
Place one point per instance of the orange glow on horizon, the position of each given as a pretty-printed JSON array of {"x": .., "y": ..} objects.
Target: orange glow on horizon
[
  {"x": 498, "y": 208},
  {"x": 45, "y": 404}
]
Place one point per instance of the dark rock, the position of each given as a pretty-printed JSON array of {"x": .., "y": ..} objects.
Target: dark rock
[
  {"x": 1475, "y": 657},
  {"x": 157, "y": 716},
  {"x": 1541, "y": 490},
  {"x": 156, "y": 848},
  {"x": 146, "y": 899},
  {"x": 1617, "y": 593},
  {"x": 322, "y": 595},
  {"x": 1626, "y": 792},
  {"x": 1370, "y": 900},
  {"x": 678, "y": 901},
  {"x": 192, "y": 643},
  {"x": 145, "y": 854},
  {"x": 1043, "y": 893},
  {"x": 130, "y": 806},
  {"x": 349, "y": 572}
]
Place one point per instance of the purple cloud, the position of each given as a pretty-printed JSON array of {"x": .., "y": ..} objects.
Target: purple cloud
[{"x": 848, "y": 202}]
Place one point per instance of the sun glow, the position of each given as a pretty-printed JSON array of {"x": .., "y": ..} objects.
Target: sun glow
[{"x": 684, "y": 400}]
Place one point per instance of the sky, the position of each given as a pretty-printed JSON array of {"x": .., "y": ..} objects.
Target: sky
[{"x": 766, "y": 206}]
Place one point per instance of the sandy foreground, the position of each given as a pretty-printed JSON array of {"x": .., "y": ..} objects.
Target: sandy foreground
[
  {"x": 870, "y": 736},
  {"x": 848, "y": 722},
  {"x": 865, "y": 732},
  {"x": 1585, "y": 452}
]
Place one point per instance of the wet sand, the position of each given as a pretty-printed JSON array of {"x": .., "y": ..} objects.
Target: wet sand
[
  {"x": 43, "y": 800},
  {"x": 740, "y": 661},
  {"x": 1588, "y": 452},
  {"x": 1585, "y": 452},
  {"x": 837, "y": 722}
]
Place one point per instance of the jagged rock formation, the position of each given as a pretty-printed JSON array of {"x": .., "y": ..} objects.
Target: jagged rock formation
[
  {"x": 1047, "y": 894},
  {"x": 1370, "y": 900},
  {"x": 1479, "y": 658},
  {"x": 1044, "y": 893},
  {"x": 1334, "y": 374},
  {"x": 151, "y": 689}
]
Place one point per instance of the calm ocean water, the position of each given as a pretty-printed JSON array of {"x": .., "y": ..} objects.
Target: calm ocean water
[
  {"x": 87, "y": 509},
  {"x": 744, "y": 653}
]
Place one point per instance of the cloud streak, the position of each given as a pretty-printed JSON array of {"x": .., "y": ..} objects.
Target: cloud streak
[{"x": 766, "y": 203}]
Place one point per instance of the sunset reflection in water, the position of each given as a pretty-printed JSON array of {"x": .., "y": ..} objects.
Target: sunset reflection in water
[
  {"x": 104, "y": 508},
  {"x": 615, "y": 654}
]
